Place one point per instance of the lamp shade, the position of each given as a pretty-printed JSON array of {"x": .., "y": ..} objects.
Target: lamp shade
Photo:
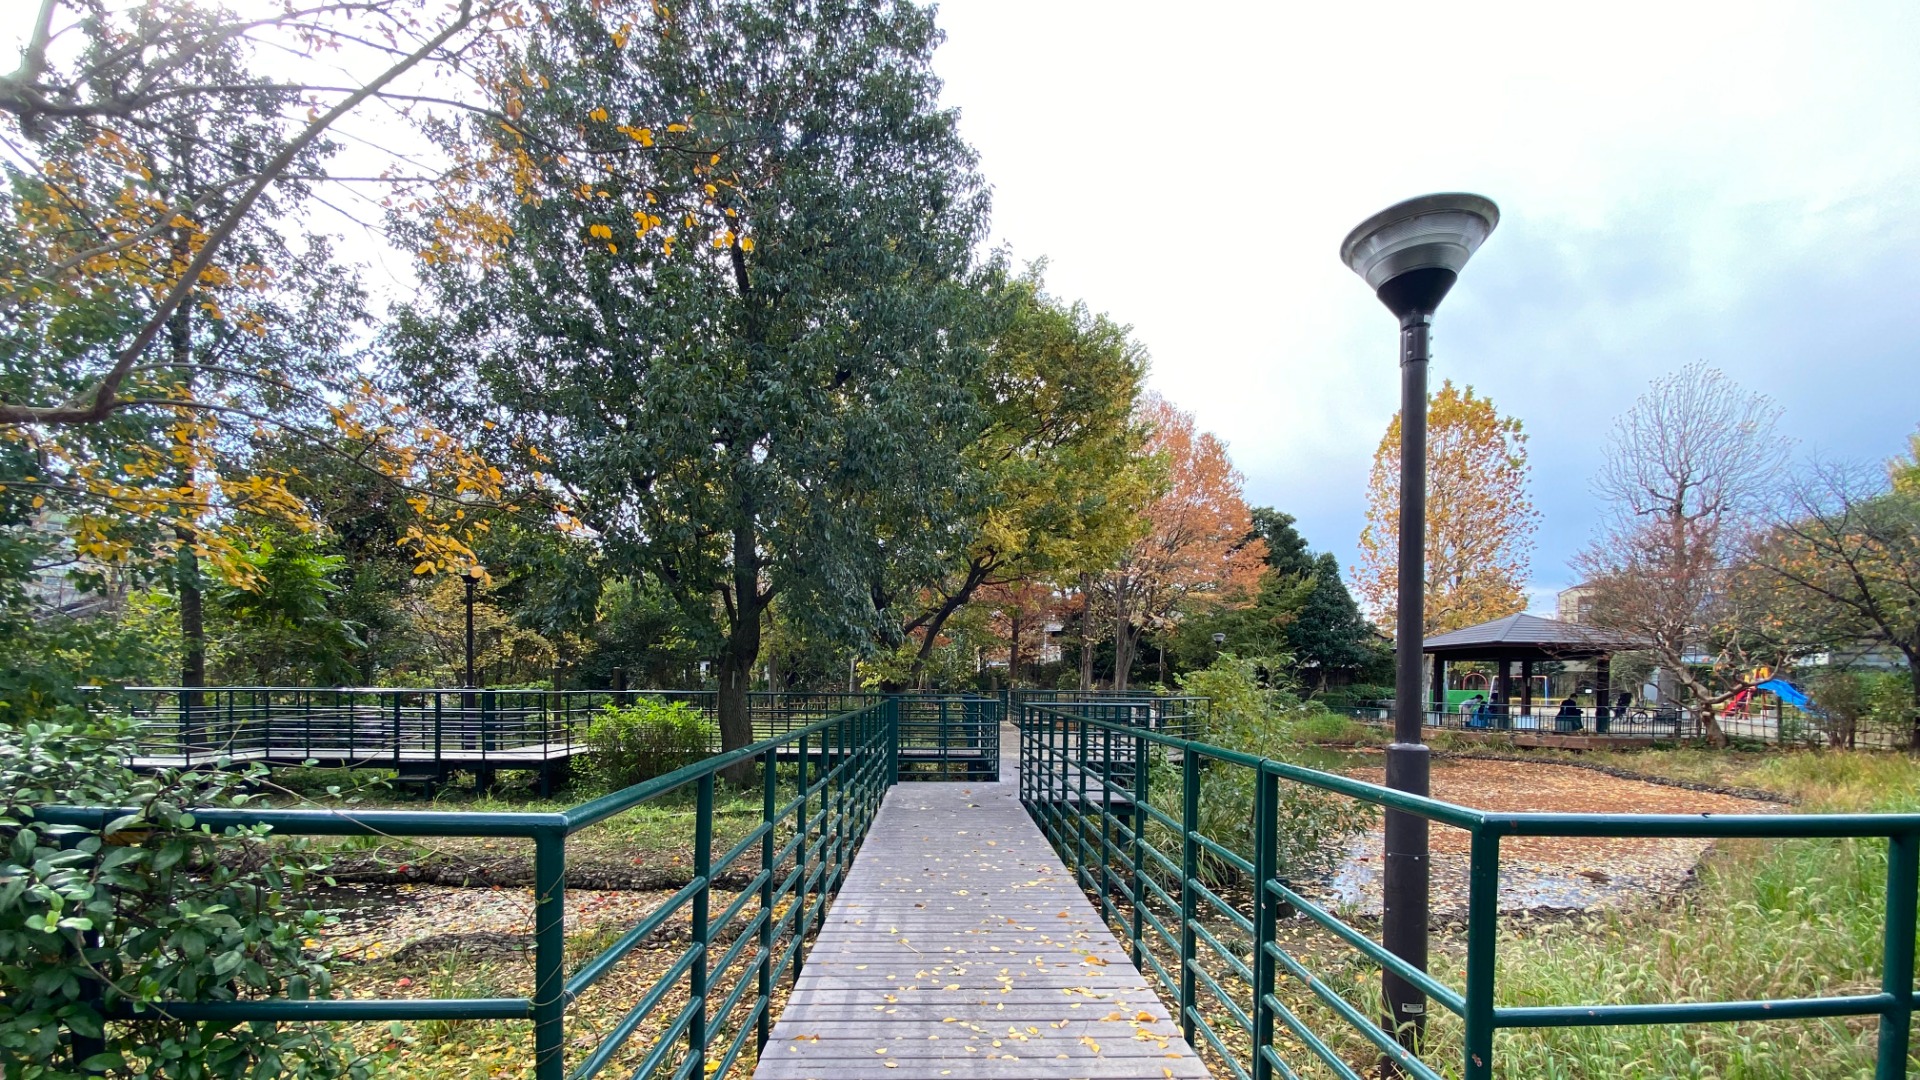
[{"x": 1422, "y": 244}]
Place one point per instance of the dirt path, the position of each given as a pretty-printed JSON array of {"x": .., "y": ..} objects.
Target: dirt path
[{"x": 1545, "y": 874}]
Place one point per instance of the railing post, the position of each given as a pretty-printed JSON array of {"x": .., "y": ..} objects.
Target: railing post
[
  {"x": 1266, "y": 830},
  {"x": 769, "y": 797},
  {"x": 800, "y": 845},
  {"x": 1106, "y": 818},
  {"x": 438, "y": 727},
  {"x": 549, "y": 954},
  {"x": 1082, "y": 870},
  {"x": 1140, "y": 795},
  {"x": 1483, "y": 926},
  {"x": 1896, "y": 973},
  {"x": 893, "y": 739},
  {"x": 697, "y": 979},
  {"x": 186, "y": 728},
  {"x": 1189, "y": 872}
]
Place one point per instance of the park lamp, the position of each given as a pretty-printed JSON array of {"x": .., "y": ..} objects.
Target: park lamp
[{"x": 1410, "y": 254}]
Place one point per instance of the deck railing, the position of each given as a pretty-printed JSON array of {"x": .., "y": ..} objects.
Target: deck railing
[
  {"x": 814, "y": 813},
  {"x": 1136, "y": 839},
  {"x": 387, "y": 727}
]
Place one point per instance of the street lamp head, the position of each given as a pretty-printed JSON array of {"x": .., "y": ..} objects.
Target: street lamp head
[
  {"x": 471, "y": 575},
  {"x": 1411, "y": 252}
]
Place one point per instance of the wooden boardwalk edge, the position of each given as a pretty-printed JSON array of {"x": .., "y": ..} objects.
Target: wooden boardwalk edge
[{"x": 960, "y": 946}]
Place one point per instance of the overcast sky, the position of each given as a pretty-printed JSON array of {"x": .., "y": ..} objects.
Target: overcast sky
[{"x": 1677, "y": 181}]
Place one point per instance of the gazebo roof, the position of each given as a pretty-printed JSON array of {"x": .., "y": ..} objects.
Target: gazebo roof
[{"x": 1529, "y": 637}]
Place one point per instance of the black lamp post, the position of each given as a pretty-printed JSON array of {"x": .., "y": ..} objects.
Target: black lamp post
[
  {"x": 471, "y": 577},
  {"x": 1410, "y": 254}
]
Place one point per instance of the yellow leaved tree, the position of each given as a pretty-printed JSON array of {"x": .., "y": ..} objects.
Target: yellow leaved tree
[{"x": 1480, "y": 519}]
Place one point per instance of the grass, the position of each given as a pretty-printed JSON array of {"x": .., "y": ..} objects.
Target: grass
[
  {"x": 649, "y": 845},
  {"x": 1767, "y": 919},
  {"x": 491, "y": 1050}
]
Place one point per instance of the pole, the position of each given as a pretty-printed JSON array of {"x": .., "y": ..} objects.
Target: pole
[
  {"x": 470, "y": 580},
  {"x": 1405, "y": 885}
]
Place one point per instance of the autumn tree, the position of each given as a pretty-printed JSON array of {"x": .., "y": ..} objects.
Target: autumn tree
[
  {"x": 1058, "y": 463},
  {"x": 1687, "y": 473},
  {"x": 1198, "y": 549},
  {"x": 1841, "y": 567},
  {"x": 1480, "y": 518},
  {"x": 725, "y": 303},
  {"x": 159, "y": 325}
]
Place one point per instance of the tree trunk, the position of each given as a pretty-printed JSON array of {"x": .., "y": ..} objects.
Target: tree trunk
[
  {"x": 1013, "y": 652},
  {"x": 193, "y": 628},
  {"x": 1086, "y": 639},
  {"x": 742, "y": 649},
  {"x": 1123, "y": 643},
  {"x": 1913, "y": 679}
]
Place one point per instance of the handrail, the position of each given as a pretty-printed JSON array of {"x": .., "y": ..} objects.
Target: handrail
[
  {"x": 1089, "y": 783},
  {"x": 841, "y": 768}
]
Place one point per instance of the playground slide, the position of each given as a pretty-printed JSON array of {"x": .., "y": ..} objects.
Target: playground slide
[{"x": 1786, "y": 692}]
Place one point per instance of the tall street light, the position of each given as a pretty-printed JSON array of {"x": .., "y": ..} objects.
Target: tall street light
[
  {"x": 1410, "y": 254},
  {"x": 470, "y": 577}
]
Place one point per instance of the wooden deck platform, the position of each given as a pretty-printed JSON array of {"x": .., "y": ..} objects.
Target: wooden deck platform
[{"x": 960, "y": 946}]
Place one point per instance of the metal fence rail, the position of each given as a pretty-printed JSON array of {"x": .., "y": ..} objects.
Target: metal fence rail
[
  {"x": 387, "y": 727},
  {"x": 1135, "y": 839},
  {"x": 1169, "y": 714},
  {"x": 1772, "y": 726},
  {"x": 814, "y": 814},
  {"x": 949, "y": 736}
]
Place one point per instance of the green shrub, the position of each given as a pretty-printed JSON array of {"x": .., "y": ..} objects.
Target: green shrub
[
  {"x": 141, "y": 912},
  {"x": 628, "y": 744},
  {"x": 1256, "y": 718},
  {"x": 1331, "y": 729}
]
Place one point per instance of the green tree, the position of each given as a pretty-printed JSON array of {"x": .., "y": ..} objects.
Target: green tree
[
  {"x": 1059, "y": 462},
  {"x": 1287, "y": 552},
  {"x": 1841, "y": 569},
  {"x": 1328, "y": 633},
  {"x": 724, "y": 302},
  {"x": 283, "y": 629}
]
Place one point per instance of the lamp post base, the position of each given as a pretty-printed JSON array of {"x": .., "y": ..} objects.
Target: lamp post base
[{"x": 1404, "y": 897}]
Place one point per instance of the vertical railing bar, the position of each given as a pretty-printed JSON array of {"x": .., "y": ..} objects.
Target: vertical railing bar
[
  {"x": 549, "y": 954},
  {"x": 1189, "y": 873},
  {"x": 1140, "y": 796},
  {"x": 1266, "y": 813},
  {"x": 769, "y": 796},
  {"x": 1896, "y": 974},
  {"x": 1483, "y": 926},
  {"x": 800, "y": 854},
  {"x": 697, "y": 979}
]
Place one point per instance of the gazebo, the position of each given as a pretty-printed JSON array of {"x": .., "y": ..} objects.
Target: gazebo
[{"x": 1526, "y": 639}]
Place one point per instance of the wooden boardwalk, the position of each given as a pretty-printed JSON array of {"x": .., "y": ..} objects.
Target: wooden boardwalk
[{"x": 960, "y": 946}]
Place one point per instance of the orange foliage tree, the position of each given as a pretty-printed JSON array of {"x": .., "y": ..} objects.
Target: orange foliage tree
[
  {"x": 1480, "y": 519},
  {"x": 1199, "y": 548}
]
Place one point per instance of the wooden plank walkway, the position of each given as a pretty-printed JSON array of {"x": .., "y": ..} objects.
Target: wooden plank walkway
[{"x": 960, "y": 946}]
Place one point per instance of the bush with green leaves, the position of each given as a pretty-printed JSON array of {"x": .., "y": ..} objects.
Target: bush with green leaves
[
  {"x": 149, "y": 908},
  {"x": 1257, "y": 717},
  {"x": 628, "y": 744}
]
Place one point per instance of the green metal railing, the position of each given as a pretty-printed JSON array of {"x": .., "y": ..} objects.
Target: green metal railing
[
  {"x": 813, "y": 815},
  {"x": 1169, "y": 714},
  {"x": 950, "y": 736},
  {"x": 388, "y": 727},
  {"x": 1185, "y": 899}
]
